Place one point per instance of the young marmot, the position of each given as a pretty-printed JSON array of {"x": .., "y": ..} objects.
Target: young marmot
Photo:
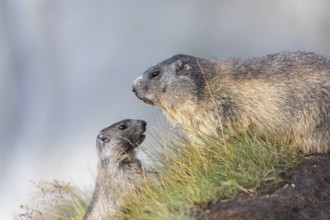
[
  {"x": 119, "y": 171},
  {"x": 285, "y": 96}
]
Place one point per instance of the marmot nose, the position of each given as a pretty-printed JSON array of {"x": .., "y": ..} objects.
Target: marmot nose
[{"x": 133, "y": 88}]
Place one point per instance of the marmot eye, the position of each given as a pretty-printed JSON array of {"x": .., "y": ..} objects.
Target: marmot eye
[
  {"x": 103, "y": 138},
  {"x": 154, "y": 74},
  {"x": 122, "y": 127}
]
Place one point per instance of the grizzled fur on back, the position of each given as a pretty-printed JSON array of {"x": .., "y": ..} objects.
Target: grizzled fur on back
[
  {"x": 119, "y": 171},
  {"x": 285, "y": 96}
]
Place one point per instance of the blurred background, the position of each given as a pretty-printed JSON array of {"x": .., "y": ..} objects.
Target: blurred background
[{"x": 66, "y": 69}]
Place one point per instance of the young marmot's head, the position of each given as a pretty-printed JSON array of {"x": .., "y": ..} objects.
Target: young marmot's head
[
  {"x": 120, "y": 139},
  {"x": 173, "y": 82}
]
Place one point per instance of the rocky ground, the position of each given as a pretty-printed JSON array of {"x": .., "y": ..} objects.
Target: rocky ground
[{"x": 304, "y": 193}]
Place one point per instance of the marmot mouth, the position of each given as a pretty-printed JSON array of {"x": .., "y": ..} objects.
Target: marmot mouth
[
  {"x": 143, "y": 136},
  {"x": 147, "y": 101},
  {"x": 141, "y": 139},
  {"x": 136, "y": 143}
]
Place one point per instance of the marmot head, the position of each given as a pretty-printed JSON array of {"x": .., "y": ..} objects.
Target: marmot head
[
  {"x": 172, "y": 82},
  {"x": 120, "y": 138}
]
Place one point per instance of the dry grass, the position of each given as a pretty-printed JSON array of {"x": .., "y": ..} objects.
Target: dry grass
[{"x": 55, "y": 200}]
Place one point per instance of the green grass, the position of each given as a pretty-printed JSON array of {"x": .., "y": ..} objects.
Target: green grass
[
  {"x": 191, "y": 176},
  {"x": 188, "y": 177}
]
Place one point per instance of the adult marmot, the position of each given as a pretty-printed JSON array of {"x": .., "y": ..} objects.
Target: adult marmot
[
  {"x": 119, "y": 171},
  {"x": 284, "y": 96}
]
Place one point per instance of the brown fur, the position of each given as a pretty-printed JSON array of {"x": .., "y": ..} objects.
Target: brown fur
[
  {"x": 283, "y": 96},
  {"x": 119, "y": 171}
]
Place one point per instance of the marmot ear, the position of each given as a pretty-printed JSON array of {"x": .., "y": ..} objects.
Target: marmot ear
[{"x": 182, "y": 68}]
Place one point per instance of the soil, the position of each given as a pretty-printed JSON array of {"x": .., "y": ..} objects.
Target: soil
[{"x": 303, "y": 194}]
